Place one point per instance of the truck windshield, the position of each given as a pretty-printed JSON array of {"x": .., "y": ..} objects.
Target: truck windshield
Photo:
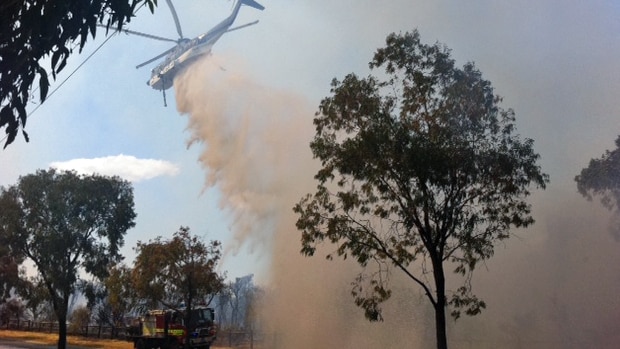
[{"x": 201, "y": 316}]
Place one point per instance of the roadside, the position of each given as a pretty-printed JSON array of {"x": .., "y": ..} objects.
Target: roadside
[
  {"x": 49, "y": 340},
  {"x": 10, "y": 339},
  {"x": 18, "y": 344}
]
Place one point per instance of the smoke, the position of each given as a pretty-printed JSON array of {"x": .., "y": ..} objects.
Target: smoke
[
  {"x": 254, "y": 146},
  {"x": 552, "y": 286},
  {"x": 255, "y": 150}
]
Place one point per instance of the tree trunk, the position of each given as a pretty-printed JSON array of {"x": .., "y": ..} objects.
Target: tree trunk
[
  {"x": 62, "y": 331},
  {"x": 440, "y": 304},
  {"x": 61, "y": 314},
  {"x": 188, "y": 316},
  {"x": 440, "y": 325}
]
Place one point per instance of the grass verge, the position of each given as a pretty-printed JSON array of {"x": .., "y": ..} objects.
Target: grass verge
[{"x": 52, "y": 339}]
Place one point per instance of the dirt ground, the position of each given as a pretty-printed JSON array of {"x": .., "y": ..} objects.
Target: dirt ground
[{"x": 52, "y": 338}]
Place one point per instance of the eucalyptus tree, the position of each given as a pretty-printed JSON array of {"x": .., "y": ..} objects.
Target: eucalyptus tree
[
  {"x": 111, "y": 300},
  {"x": 68, "y": 225},
  {"x": 9, "y": 269},
  {"x": 602, "y": 179},
  {"x": 421, "y": 171},
  {"x": 35, "y": 295}
]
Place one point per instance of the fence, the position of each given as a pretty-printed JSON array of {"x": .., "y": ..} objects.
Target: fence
[
  {"x": 52, "y": 327},
  {"x": 229, "y": 338},
  {"x": 245, "y": 339}
]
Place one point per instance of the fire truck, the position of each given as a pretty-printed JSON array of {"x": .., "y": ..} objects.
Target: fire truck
[{"x": 165, "y": 329}]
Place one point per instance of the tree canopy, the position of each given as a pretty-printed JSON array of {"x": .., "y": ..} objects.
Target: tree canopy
[
  {"x": 421, "y": 170},
  {"x": 36, "y": 295},
  {"x": 66, "y": 223},
  {"x": 602, "y": 179},
  {"x": 9, "y": 268},
  {"x": 111, "y": 300},
  {"x": 31, "y": 30}
]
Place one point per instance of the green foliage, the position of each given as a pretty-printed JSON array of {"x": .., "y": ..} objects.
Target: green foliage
[
  {"x": 10, "y": 257},
  {"x": 32, "y": 30},
  {"x": 36, "y": 296},
  {"x": 121, "y": 297},
  {"x": 179, "y": 270},
  {"x": 9, "y": 271},
  {"x": 66, "y": 223},
  {"x": 13, "y": 309},
  {"x": 79, "y": 319},
  {"x": 420, "y": 167},
  {"x": 602, "y": 178},
  {"x": 112, "y": 299}
]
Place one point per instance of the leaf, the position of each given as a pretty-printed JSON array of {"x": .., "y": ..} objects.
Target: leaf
[
  {"x": 25, "y": 134},
  {"x": 93, "y": 27},
  {"x": 21, "y": 113},
  {"x": 11, "y": 132},
  {"x": 55, "y": 58},
  {"x": 43, "y": 83},
  {"x": 5, "y": 115},
  {"x": 62, "y": 64}
]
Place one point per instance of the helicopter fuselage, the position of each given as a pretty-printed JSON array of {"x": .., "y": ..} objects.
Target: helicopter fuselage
[
  {"x": 188, "y": 51},
  {"x": 162, "y": 76}
]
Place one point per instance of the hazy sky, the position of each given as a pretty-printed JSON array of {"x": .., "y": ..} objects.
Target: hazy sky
[{"x": 554, "y": 62}]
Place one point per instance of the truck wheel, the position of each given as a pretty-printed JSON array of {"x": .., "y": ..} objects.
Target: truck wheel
[{"x": 139, "y": 344}]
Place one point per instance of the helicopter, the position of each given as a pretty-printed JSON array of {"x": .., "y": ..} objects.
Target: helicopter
[{"x": 186, "y": 51}]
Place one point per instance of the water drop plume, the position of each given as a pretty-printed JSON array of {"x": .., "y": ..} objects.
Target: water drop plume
[{"x": 255, "y": 150}]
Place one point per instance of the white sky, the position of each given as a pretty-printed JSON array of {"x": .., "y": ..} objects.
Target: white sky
[{"x": 555, "y": 62}]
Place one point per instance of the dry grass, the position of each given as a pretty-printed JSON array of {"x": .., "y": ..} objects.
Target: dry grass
[{"x": 52, "y": 338}]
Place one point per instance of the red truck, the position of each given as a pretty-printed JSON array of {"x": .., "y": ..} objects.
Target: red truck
[{"x": 165, "y": 329}]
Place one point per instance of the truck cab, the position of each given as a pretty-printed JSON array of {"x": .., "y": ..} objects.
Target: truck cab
[{"x": 166, "y": 329}]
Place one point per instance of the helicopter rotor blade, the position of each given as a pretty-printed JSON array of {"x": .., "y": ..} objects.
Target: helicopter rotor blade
[
  {"x": 150, "y": 36},
  {"x": 155, "y": 58},
  {"x": 242, "y": 26},
  {"x": 176, "y": 18}
]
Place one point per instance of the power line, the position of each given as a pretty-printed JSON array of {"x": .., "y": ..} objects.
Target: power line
[
  {"x": 67, "y": 78},
  {"x": 74, "y": 71}
]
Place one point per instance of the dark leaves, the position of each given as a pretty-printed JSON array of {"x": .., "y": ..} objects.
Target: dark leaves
[
  {"x": 43, "y": 84},
  {"x": 463, "y": 300},
  {"x": 183, "y": 268},
  {"x": 33, "y": 30},
  {"x": 602, "y": 179}
]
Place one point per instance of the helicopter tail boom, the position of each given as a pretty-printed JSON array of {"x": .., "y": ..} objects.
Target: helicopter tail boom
[{"x": 253, "y": 3}]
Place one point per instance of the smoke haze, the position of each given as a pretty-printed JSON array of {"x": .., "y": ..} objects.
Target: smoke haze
[
  {"x": 551, "y": 286},
  {"x": 255, "y": 151}
]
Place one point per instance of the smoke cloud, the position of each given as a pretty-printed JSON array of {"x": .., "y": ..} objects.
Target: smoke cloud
[
  {"x": 255, "y": 150},
  {"x": 551, "y": 286}
]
